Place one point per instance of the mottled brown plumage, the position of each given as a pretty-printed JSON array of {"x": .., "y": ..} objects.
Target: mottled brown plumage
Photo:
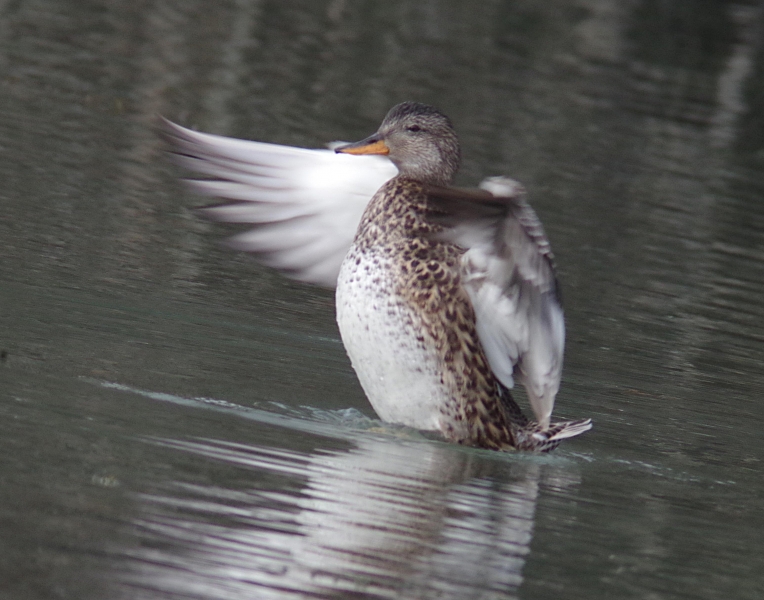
[
  {"x": 481, "y": 411},
  {"x": 404, "y": 229}
]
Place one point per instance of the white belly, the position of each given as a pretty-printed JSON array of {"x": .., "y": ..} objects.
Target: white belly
[{"x": 397, "y": 371}]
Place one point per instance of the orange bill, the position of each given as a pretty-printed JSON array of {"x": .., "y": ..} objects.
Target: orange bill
[{"x": 371, "y": 145}]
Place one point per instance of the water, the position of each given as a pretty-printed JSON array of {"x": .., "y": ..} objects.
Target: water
[{"x": 178, "y": 422}]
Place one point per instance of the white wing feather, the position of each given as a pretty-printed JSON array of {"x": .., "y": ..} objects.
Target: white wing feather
[
  {"x": 305, "y": 204},
  {"x": 509, "y": 276}
]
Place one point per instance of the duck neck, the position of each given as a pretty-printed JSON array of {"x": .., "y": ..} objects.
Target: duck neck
[{"x": 429, "y": 174}]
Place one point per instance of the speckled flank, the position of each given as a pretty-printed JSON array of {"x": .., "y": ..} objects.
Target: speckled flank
[{"x": 423, "y": 281}]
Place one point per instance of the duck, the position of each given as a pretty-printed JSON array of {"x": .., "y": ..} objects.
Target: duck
[{"x": 445, "y": 296}]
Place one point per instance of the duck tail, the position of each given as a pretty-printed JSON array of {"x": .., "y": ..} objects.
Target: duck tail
[
  {"x": 567, "y": 429},
  {"x": 548, "y": 439}
]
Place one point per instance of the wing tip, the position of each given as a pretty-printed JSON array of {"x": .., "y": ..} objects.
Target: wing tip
[
  {"x": 502, "y": 187},
  {"x": 177, "y": 137}
]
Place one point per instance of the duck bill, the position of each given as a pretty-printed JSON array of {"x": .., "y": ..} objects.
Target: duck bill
[{"x": 373, "y": 144}]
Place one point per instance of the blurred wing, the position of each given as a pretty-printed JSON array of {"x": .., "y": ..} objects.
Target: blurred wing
[
  {"x": 305, "y": 204},
  {"x": 508, "y": 271}
]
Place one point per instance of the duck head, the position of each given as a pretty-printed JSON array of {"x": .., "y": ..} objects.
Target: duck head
[{"x": 418, "y": 139}]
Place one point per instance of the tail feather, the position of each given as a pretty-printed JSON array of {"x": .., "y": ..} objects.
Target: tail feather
[
  {"x": 538, "y": 440},
  {"x": 567, "y": 429}
]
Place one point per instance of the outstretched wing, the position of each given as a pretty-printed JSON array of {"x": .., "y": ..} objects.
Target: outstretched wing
[
  {"x": 508, "y": 271},
  {"x": 305, "y": 205}
]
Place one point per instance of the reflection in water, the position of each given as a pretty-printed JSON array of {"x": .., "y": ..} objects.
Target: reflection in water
[{"x": 388, "y": 518}]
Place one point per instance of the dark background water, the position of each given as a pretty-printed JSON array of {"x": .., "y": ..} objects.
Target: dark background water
[{"x": 178, "y": 422}]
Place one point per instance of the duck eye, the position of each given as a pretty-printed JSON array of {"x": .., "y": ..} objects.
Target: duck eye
[{"x": 414, "y": 128}]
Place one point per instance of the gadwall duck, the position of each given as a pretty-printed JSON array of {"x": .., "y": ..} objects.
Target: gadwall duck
[{"x": 445, "y": 296}]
